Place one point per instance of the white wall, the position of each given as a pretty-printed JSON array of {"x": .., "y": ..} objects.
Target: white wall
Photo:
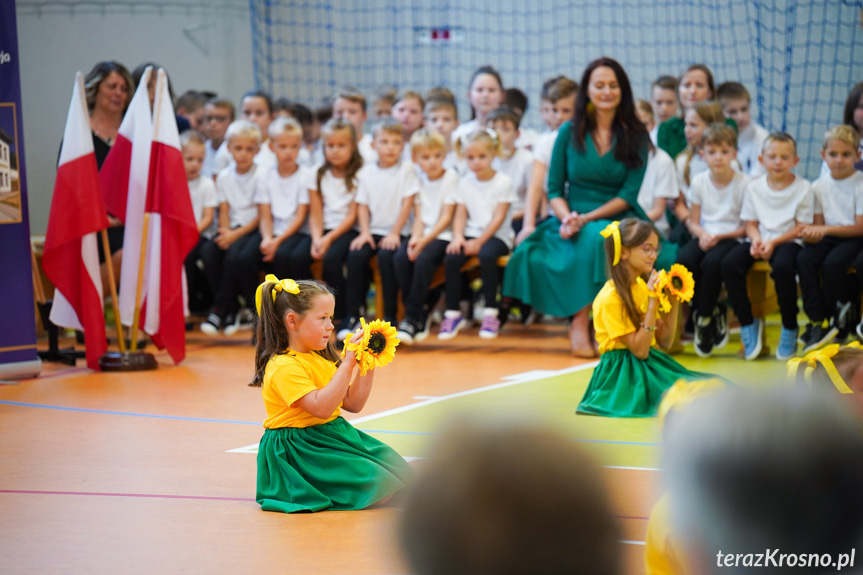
[{"x": 58, "y": 38}]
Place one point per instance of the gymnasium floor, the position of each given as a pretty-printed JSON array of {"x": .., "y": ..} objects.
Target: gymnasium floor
[{"x": 154, "y": 472}]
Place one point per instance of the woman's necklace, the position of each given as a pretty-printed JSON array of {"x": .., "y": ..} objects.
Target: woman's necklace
[{"x": 99, "y": 131}]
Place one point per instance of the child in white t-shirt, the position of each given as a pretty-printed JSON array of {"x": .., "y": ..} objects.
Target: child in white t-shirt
[
  {"x": 517, "y": 100},
  {"x": 408, "y": 109},
  {"x": 517, "y": 163},
  {"x": 833, "y": 243},
  {"x": 203, "y": 193},
  {"x": 659, "y": 186},
  {"x": 441, "y": 115},
  {"x": 218, "y": 115},
  {"x": 716, "y": 228},
  {"x": 350, "y": 105},
  {"x": 257, "y": 107},
  {"x": 384, "y": 205},
  {"x": 736, "y": 102},
  {"x": 424, "y": 252},
  {"x": 776, "y": 207},
  {"x": 237, "y": 239},
  {"x": 481, "y": 227},
  {"x": 282, "y": 195}
]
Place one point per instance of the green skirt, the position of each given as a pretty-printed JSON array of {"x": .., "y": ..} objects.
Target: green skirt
[
  {"x": 560, "y": 277},
  {"x": 329, "y": 466},
  {"x": 624, "y": 386}
]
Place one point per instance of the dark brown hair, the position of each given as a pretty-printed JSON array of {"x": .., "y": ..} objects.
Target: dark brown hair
[
  {"x": 271, "y": 333},
  {"x": 356, "y": 161},
  {"x": 633, "y": 233},
  {"x": 707, "y": 73},
  {"x": 732, "y": 91},
  {"x": 719, "y": 133},
  {"x": 97, "y": 75},
  {"x": 711, "y": 113},
  {"x": 479, "y": 72},
  {"x": 851, "y": 103}
]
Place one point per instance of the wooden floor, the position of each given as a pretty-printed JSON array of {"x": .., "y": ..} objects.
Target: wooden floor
[{"x": 154, "y": 472}]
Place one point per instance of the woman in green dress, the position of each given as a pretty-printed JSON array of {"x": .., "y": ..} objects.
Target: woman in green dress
[{"x": 594, "y": 176}]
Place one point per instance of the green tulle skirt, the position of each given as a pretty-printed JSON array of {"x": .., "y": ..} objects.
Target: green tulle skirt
[
  {"x": 624, "y": 386},
  {"x": 329, "y": 466}
]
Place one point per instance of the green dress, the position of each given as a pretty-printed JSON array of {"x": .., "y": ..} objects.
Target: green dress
[
  {"x": 560, "y": 276},
  {"x": 672, "y": 138}
]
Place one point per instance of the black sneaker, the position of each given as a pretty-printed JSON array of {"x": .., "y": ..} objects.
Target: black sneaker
[
  {"x": 806, "y": 335},
  {"x": 246, "y": 319},
  {"x": 231, "y": 323},
  {"x": 412, "y": 331},
  {"x": 846, "y": 315},
  {"x": 213, "y": 324},
  {"x": 821, "y": 335},
  {"x": 720, "y": 327},
  {"x": 705, "y": 335}
]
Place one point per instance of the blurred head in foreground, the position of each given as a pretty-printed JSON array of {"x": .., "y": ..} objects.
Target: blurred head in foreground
[
  {"x": 499, "y": 499},
  {"x": 749, "y": 472}
]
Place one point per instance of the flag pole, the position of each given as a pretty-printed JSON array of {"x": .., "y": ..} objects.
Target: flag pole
[
  {"x": 109, "y": 267},
  {"x": 137, "y": 316}
]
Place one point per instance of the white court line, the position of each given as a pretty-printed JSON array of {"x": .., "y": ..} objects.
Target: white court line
[
  {"x": 511, "y": 380},
  {"x": 632, "y": 468}
]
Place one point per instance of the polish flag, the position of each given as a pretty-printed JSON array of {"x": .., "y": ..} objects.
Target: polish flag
[
  {"x": 172, "y": 231},
  {"x": 71, "y": 256},
  {"x": 124, "y": 184}
]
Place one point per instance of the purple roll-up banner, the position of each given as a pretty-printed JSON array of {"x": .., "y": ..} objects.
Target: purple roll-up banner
[{"x": 18, "y": 357}]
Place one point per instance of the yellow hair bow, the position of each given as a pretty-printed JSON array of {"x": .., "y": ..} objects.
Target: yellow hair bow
[
  {"x": 613, "y": 229},
  {"x": 289, "y": 286},
  {"x": 823, "y": 356}
]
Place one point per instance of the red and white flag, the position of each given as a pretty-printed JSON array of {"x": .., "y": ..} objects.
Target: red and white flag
[
  {"x": 71, "y": 256},
  {"x": 172, "y": 230},
  {"x": 124, "y": 184}
]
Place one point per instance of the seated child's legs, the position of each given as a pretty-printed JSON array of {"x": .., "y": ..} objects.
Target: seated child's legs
[
  {"x": 491, "y": 274},
  {"x": 809, "y": 263},
  {"x": 427, "y": 262},
  {"x": 301, "y": 259},
  {"x": 452, "y": 267},
  {"x": 838, "y": 285},
  {"x": 386, "y": 266},
  {"x": 333, "y": 272},
  {"x": 358, "y": 279},
  {"x": 229, "y": 285},
  {"x": 404, "y": 270},
  {"x": 212, "y": 256},
  {"x": 784, "y": 274},
  {"x": 735, "y": 267},
  {"x": 249, "y": 263},
  {"x": 710, "y": 274}
]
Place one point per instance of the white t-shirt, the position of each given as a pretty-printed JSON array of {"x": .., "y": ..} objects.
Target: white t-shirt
[
  {"x": 239, "y": 191},
  {"x": 777, "y": 211},
  {"x": 527, "y": 138},
  {"x": 465, "y": 129},
  {"x": 284, "y": 195},
  {"x": 382, "y": 190},
  {"x": 336, "y": 198},
  {"x": 265, "y": 158},
  {"x": 720, "y": 208},
  {"x": 542, "y": 154},
  {"x": 660, "y": 181},
  {"x": 453, "y": 162},
  {"x": 518, "y": 167},
  {"x": 432, "y": 197},
  {"x": 365, "y": 148},
  {"x": 840, "y": 201},
  {"x": 215, "y": 160},
  {"x": 654, "y": 133},
  {"x": 311, "y": 159},
  {"x": 481, "y": 200},
  {"x": 749, "y": 144},
  {"x": 696, "y": 166},
  {"x": 203, "y": 192}
]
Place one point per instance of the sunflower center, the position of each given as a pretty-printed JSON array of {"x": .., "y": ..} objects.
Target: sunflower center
[
  {"x": 677, "y": 282},
  {"x": 377, "y": 342}
]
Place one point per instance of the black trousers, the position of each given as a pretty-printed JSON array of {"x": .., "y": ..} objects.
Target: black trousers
[
  {"x": 238, "y": 271},
  {"x": 197, "y": 283},
  {"x": 706, "y": 268},
  {"x": 490, "y": 273},
  {"x": 415, "y": 276},
  {"x": 736, "y": 266},
  {"x": 823, "y": 272},
  {"x": 359, "y": 278},
  {"x": 282, "y": 263}
]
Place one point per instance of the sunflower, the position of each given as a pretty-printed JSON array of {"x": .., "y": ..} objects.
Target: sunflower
[
  {"x": 680, "y": 282},
  {"x": 659, "y": 290},
  {"x": 378, "y": 346}
]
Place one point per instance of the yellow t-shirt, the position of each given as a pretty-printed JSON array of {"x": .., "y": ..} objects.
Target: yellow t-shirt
[
  {"x": 287, "y": 379},
  {"x": 609, "y": 316}
]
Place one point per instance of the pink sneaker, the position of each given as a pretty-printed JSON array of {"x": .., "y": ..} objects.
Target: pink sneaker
[
  {"x": 450, "y": 326},
  {"x": 490, "y": 327}
]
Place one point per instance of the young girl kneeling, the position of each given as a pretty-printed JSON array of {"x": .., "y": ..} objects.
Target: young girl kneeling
[
  {"x": 310, "y": 458},
  {"x": 632, "y": 375}
]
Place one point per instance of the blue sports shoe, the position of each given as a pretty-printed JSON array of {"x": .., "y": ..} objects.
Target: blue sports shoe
[
  {"x": 787, "y": 344},
  {"x": 750, "y": 336}
]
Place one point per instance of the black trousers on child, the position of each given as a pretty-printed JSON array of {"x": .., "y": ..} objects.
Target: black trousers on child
[
  {"x": 359, "y": 279},
  {"x": 736, "y": 266},
  {"x": 282, "y": 263},
  {"x": 823, "y": 271},
  {"x": 416, "y": 276},
  {"x": 490, "y": 273},
  {"x": 706, "y": 268},
  {"x": 238, "y": 271},
  {"x": 333, "y": 265},
  {"x": 197, "y": 283}
]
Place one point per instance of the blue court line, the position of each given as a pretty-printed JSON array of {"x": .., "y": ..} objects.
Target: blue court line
[{"x": 235, "y": 422}]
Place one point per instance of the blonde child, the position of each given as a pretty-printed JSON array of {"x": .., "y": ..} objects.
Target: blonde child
[
  {"x": 310, "y": 458},
  {"x": 424, "y": 252},
  {"x": 282, "y": 196},
  {"x": 441, "y": 115},
  {"x": 559, "y": 95},
  {"x": 332, "y": 211},
  {"x": 515, "y": 162},
  {"x": 237, "y": 239},
  {"x": 632, "y": 374},
  {"x": 659, "y": 185},
  {"x": 776, "y": 206},
  {"x": 695, "y": 86},
  {"x": 408, "y": 109},
  {"x": 833, "y": 242},
  {"x": 485, "y": 93},
  {"x": 257, "y": 107},
  {"x": 716, "y": 229},
  {"x": 383, "y": 203},
  {"x": 736, "y": 105},
  {"x": 663, "y": 99},
  {"x": 481, "y": 227},
  {"x": 350, "y": 105},
  {"x": 218, "y": 115},
  {"x": 203, "y": 193}
]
